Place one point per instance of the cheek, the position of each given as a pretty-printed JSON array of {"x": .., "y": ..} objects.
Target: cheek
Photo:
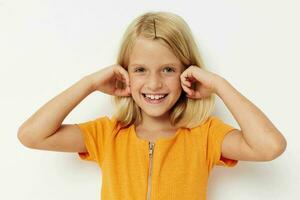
[
  {"x": 135, "y": 84},
  {"x": 173, "y": 82}
]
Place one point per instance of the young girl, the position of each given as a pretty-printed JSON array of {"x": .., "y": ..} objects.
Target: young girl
[{"x": 162, "y": 141}]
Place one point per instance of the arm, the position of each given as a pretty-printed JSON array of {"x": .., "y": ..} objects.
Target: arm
[
  {"x": 44, "y": 129},
  {"x": 48, "y": 119},
  {"x": 258, "y": 139}
]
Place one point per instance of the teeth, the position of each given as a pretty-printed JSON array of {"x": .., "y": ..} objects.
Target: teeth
[{"x": 153, "y": 97}]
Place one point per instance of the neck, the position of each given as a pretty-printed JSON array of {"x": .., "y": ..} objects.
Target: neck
[{"x": 156, "y": 123}]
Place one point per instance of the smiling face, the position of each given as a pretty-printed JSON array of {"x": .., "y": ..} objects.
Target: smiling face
[{"x": 154, "y": 73}]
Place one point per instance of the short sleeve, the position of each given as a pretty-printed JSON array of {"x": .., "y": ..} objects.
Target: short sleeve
[
  {"x": 95, "y": 133},
  {"x": 216, "y": 134}
]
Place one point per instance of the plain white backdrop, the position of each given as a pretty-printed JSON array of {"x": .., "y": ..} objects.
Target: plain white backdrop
[{"x": 46, "y": 46}]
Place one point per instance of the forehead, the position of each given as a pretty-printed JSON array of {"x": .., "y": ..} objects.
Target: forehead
[{"x": 152, "y": 52}]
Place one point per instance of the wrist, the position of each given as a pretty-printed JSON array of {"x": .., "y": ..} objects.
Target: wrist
[
  {"x": 89, "y": 81},
  {"x": 220, "y": 83}
]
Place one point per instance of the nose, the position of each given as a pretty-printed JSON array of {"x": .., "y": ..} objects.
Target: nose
[{"x": 154, "y": 82}]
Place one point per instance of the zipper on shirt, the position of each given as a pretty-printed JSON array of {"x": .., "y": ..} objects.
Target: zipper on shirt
[{"x": 151, "y": 151}]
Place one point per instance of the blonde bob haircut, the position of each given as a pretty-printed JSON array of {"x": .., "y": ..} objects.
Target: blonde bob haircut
[{"x": 174, "y": 31}]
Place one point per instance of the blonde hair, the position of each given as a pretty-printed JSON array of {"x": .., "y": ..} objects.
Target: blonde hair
[{"x": 175, "y": 32}]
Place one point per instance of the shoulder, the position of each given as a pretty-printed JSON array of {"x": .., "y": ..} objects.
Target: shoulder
[
  {"x": 103, "y": 123},
  {"x": 212, "y": 126},
  {"x": 209, "y": 122},
  {"x": 110, "y": 122},
  {"x": 115, "y": 125}
]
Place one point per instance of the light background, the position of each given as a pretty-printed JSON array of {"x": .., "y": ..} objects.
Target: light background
[{"x": 46, "y": 46}]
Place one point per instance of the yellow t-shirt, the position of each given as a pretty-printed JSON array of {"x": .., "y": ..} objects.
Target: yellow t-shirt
[{"x": 180, "y": 164}]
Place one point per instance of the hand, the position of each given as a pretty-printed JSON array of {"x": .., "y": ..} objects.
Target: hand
[
  {"x": 112, "y": 80},
  {"x": 198, "y": 83}
]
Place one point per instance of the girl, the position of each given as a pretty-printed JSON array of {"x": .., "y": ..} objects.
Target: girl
[{"x": 162, "y": 141}]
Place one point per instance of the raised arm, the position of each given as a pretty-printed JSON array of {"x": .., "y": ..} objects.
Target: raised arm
[
  {"x": 258, "y": 139},
  {"x": 48, "y": 119},
  {"x": 44, "y": 129}
]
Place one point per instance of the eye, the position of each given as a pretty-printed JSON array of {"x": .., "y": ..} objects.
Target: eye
[
  {"x": 169, "y": 69},
  {"x": 139, "y": 69}
]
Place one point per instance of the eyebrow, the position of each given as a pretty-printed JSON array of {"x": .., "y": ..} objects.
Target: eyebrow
[{"x": 137, "y": 64}]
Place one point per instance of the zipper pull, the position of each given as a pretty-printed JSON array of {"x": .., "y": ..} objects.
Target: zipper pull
[{"x": 151, "y": 147}]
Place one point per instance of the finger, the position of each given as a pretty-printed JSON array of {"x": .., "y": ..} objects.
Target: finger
[
  {"x": 187, "y": 83},
  {"x": 121, "y": 75},
  {"x": 124, "y": 75},
  {"x": 129, "y": 90},
  {"x": 184, "y": 80},
  {"x": 189, "y": 77},
  {"x": 191, "y": 93},
  {"x": 191, "y": 97},
  {"x": 197, "y": 95},
  {"x": 187, "y": 89}
]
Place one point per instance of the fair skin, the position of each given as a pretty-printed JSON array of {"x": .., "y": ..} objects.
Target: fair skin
[
  {"x": 258, "y": 139},
  {"x": 154, "y": 69}
]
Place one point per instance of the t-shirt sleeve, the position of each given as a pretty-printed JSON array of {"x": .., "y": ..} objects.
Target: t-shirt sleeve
[
  {"x": 216, "y": 134},
  {"x": 95, "y": 132}
]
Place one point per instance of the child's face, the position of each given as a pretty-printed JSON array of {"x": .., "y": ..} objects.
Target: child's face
[{"x": 154, "y": 69}]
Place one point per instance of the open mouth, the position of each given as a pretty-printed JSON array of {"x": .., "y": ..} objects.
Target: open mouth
[{"x": 154, "y": 99}]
